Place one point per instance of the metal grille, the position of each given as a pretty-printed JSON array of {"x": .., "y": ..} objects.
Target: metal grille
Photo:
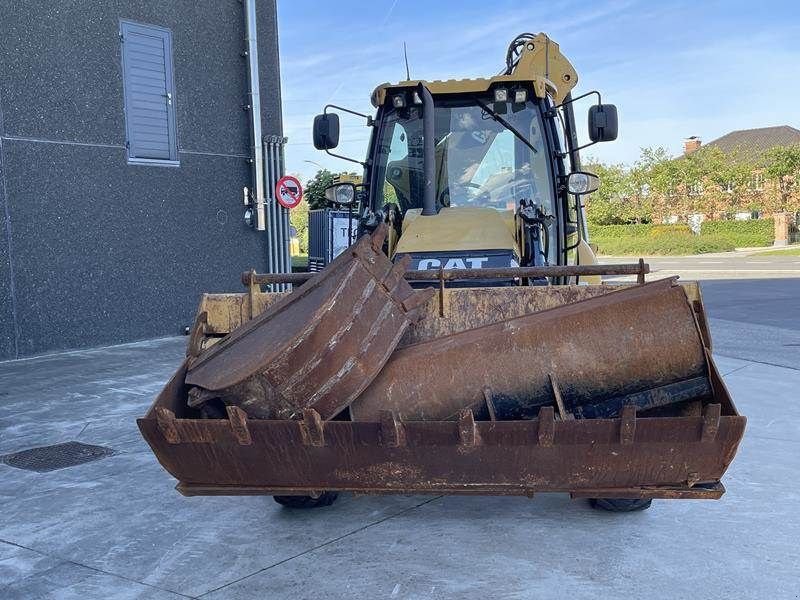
[{"x": 57, "y": 456}]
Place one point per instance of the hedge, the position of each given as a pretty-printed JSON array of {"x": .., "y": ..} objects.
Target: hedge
[
  {"x": 715, "y": 236},
  {"x": 636, "y": 231},
  {"x": 663, "y": 245},
  {"x": 755, "y": 232}
]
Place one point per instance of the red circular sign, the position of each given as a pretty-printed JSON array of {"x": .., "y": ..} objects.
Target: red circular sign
[{"x": 288, "y": 191}]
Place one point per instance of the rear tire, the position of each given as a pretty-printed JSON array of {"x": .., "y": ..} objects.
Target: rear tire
[
  {"x": 324, "y": 499},
  {"x": 621, "y": 504}
]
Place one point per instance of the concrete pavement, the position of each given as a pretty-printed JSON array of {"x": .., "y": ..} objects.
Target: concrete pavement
[
  {"x": 115, "y": 528},
  {"x": 746, "y": 264}
]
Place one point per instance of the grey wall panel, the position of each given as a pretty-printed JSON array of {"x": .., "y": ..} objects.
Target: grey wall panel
[
  {"x": 105, "y": 252},
  {"x": 62, "y": 73},
  {"x": 269, "y": 70}
]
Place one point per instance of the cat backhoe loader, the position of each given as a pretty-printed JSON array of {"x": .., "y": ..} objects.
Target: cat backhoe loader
[{"x": 466, "y": 344}]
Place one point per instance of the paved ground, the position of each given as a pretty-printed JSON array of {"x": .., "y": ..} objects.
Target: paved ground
[
  {"x": 743, "y": 264},
  {"x": 115, "y": 528}
]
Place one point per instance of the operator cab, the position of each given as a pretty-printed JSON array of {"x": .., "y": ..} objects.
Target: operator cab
[{"x": 499, "y": 183}]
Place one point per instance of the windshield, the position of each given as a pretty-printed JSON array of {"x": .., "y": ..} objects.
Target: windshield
[{"x": 484, "y": 158}]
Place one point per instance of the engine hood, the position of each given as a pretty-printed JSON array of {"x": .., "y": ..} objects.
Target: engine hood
[{"x": 458, "y": 229}]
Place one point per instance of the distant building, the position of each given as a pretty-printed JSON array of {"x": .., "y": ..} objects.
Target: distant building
[
  {"x": 124, "y": 149},
  {"x": 748, "y": 146},
  {"x": 748, "y": 143}
]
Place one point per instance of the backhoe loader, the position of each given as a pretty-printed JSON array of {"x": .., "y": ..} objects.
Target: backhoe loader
[{"x": 465, "y": 344}]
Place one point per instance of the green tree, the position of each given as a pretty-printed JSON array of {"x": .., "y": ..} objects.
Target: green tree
[
  {"x": 719, "y": 179},
  {"x": 657, "y": 177},
  {"x": 782, "y": 167},
  {"x": 609, "y": 204},
  {"x": 314, "y": 192},
  {"x": 298, "y": 217}
]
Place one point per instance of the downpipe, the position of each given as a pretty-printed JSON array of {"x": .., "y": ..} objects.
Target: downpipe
[{"x": 254, "y": 96}]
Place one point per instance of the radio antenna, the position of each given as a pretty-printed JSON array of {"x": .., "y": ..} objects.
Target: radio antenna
[{"x": 405, "y": 55}]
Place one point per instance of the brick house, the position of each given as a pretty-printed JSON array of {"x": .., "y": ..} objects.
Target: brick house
[{"x": 748, "y": 146}]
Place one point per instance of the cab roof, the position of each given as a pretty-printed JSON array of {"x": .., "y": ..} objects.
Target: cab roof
[{"x": 540, "y": 64}]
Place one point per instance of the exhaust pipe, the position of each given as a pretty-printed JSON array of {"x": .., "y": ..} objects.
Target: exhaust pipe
[{"x": 428, "y": 152}]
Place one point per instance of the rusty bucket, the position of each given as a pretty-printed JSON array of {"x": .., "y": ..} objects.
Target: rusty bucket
[
  {"x": 317, "y": 347},
  {"x": 641, "y": 345}
]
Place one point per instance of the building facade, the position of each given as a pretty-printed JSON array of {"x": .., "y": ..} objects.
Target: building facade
[{"x": 124, "y": 149}]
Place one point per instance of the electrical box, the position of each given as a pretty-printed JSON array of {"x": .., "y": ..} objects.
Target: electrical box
[{"x": 330, "y": 232}]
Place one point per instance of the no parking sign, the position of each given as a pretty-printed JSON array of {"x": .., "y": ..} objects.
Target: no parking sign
[{"x": 288, "y": 191}]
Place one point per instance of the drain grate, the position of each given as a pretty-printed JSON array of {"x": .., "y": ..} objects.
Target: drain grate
[{"x": 57, "y": 456}]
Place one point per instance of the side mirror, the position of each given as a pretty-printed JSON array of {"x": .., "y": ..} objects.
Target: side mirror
[
  {"x": 603, "y": 123},
  {"x": 581, "y": 182},
  {"x": 343, "y": 194},
  {"x": 326, "y": 131}
]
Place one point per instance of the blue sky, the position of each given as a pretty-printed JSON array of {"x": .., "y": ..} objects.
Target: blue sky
[{"x": 673, "y": 69}]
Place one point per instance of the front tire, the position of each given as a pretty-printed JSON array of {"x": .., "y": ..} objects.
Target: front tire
[
  {"x": 324, "y": 499},
  {"x": 620, "y": 504}
]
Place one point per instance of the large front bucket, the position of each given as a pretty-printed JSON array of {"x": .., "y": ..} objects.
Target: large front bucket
[{"x": 627, "y": 456}]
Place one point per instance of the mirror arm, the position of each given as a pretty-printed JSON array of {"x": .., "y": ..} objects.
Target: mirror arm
[
  {"x": 585, "y": 146},
  {"x": 359, "y": 162},
  {"x": 570, "y": 100},
  {"x": 370, "y": 120}
]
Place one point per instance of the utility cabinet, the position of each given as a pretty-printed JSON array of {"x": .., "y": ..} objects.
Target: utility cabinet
[{"x": 330, "y": 232}]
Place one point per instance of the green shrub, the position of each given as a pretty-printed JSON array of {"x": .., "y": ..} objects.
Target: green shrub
[
  {"x": 662, "y": 245},
  {"x": 668, "y": 239},
  {"x": 636, "y": 231},
  {"x": 755, "y": 232}
]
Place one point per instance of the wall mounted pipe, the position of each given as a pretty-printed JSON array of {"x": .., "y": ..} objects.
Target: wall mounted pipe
[{"x": 254, "y": 96}]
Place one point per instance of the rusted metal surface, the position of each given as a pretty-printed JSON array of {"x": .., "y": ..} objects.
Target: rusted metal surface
[
  {"x": 461, "y": 309},
  {"x": 458, "y": 309},
  {"x": 659, "y": 457},
  {"x": 317, "y": 347},
  {"x": 640, "y": 269},
  {"x": 603, "y": 348},
  {"x": 710, "y": 491},
  {"x": 681, "y": 455}
]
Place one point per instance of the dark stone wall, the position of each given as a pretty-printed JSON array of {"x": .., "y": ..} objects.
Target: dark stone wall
[
  {"x": 101, "y": 251},
  {"x": 7, "y": 304}
]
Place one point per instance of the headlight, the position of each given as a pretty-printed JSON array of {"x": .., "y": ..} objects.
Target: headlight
[
  {"x": 500, "y": 95},
  {"x": 582, "y": 182},
  {"x": 399, "y": 101}
]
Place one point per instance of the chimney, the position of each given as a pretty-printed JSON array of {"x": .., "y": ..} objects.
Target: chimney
[{"x": 691, "y": 144}]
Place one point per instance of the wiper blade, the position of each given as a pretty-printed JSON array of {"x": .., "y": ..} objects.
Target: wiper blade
[{"x": 505, "y": 124}]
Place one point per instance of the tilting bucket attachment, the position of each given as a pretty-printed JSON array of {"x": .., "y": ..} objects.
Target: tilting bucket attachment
[
  {"x": 638, "y": 346},
  {"x": 317, "y": 347}
]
